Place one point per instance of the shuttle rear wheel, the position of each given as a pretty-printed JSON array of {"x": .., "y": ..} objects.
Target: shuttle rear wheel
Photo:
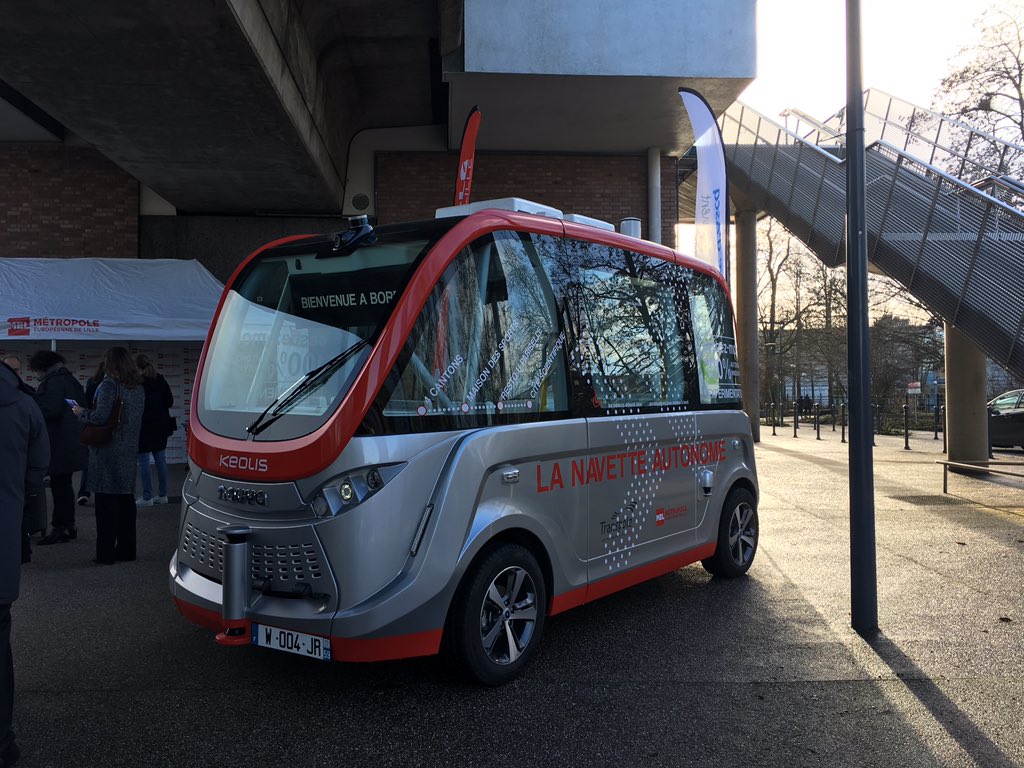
[{"x": 498, "y": 615}]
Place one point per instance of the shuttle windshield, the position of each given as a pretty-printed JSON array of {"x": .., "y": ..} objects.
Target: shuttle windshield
[{"x": 297, "y": 326}]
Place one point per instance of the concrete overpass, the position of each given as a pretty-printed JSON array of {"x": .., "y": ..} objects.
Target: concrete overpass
[{"x": 278, "y": 106}]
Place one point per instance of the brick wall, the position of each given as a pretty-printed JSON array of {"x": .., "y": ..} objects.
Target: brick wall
[
  {"x": 411, "y": 185},
  {"x": 61, "y": 200}
]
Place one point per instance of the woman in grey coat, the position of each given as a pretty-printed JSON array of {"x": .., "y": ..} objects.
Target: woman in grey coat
[{"x": 112, "y": 465}]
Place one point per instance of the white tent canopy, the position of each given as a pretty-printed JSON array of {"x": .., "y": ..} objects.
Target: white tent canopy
[{"x": 106, "y": 299}]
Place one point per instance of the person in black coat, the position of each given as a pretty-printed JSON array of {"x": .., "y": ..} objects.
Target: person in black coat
[
  {"x": 24, "y": 456},
  {"x": 156, "y": 419},
  {"x": 67, "y": 455}
]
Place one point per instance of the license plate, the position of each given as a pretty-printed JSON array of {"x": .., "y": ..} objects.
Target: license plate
[{"x": 312, "y": 646}]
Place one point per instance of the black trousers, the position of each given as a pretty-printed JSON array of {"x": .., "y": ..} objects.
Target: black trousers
[
  {"x": 115, "y": 527},
  {"x": 6, "y": 679},
  {"x": 63, "y": 500},
  {"x": 82, "y": 482}
]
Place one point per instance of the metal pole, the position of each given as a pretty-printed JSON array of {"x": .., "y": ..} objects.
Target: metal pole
[
  {"x": 936, "y": 409},
  {"x": 906, "y": 423},
  {"x": 863, "y": 568},
  {"x": 654, "y": 194},
  {"x": 842, "y": 418},
  {"x": 817, "y": 421},
  {"x": 773, "y": 419},
  {"x": 942, "y": 409},
  {"x": 796, "y": 417}
]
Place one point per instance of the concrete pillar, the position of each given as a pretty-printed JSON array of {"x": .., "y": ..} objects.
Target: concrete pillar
[
  {"x": 966, "y": 414},
  {"x": 745, "y": 299},
  {"x": 654, "y": 194}
]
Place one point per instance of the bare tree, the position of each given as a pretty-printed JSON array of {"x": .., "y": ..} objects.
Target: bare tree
[
  {"x": 986, "y": 89},
  {"x": 783, "y": 266}
]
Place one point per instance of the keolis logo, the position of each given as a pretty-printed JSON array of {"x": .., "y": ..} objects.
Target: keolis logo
[{"x": 249, "y": 463}]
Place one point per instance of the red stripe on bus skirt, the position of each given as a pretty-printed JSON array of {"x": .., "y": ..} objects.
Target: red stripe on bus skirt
[
  {"x": 627, "y": 579},
  {"x": 342, "y": 648}
]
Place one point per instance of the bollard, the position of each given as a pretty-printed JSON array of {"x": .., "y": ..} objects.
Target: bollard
[
  {"x": 236, "y": 585},
  {"x": 936, "y": 409},
  {"x": 842, "y": 418},
  {"x": 942, "y": 410},
  {"x": 874, "y": 423},
  {"x": 796, "y": 418},
  {"x": 773, "y": 419},
  {"x": 906, "y": 425},
  {"x": 817, "y": 421},
  {"x": 991, "y": 455},
  {"x": 832, "y": 410}
]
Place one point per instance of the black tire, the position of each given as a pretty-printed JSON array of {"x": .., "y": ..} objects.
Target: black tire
[
  {"x": 481, "y": 614},
  {"x": 737, "y": 536}
]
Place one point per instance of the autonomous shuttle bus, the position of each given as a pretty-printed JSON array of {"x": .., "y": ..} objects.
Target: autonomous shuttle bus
[{"x": 438, "y": 434}]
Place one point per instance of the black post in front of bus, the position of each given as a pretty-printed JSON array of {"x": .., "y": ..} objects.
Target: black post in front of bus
[{"x": 863, "y": 574}]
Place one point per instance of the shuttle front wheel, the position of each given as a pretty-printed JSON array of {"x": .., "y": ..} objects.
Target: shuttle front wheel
[
  {"x": 737, "y": 536},
  {"x": 498, "y": 615}
]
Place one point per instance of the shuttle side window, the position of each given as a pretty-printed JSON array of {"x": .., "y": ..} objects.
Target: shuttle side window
[
  {"x": 629, "y": 314},
  {"x": 486, "y": 347},
  {"x": 715, "y": 343}
]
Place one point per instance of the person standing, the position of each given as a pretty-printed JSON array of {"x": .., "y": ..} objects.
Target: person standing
[
  {"x": 34, "y": 520},
  {"x": 112, "y": 465},
  {"x": 14, "y": 363},
  {"x": 56, "y": 387},
  {"x": 24, "y": 457},
  {"x": 156, "y": 419},
  {"x": 90, "y": 394}
]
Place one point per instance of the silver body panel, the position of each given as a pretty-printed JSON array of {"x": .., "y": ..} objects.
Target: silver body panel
[{"x": 578, "y": 487}]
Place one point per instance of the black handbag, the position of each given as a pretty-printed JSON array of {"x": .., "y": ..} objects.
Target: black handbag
[{"x": 172, "y": 425}]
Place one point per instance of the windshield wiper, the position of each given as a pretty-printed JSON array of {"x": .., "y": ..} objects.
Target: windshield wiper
[{"x": 308, "y": 382}]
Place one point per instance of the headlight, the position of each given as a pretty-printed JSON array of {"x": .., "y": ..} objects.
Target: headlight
[{"x": 345, "y": 492}]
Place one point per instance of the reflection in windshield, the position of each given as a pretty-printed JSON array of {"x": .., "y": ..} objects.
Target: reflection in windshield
[
  {"x": 311, "y": 381},
  {"x": 296, "y": 328},
  {"x": 261, "y": 352}
]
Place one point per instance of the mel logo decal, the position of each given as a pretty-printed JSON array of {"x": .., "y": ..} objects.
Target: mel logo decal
[
  {"x": 661, "y": 516},
  {"x": 19, "y": 326}
]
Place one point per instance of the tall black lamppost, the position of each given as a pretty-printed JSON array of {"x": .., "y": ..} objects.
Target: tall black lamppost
[{"x": 863, "y": 575}]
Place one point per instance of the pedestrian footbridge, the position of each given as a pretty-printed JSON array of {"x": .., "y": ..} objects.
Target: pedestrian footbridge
[{"x": 941, "y": 222}]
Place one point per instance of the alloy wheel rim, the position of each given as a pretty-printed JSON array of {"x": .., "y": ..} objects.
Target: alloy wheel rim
[
  {"x": 742, "y": 533},
  {"x": 508, "y": 615}
]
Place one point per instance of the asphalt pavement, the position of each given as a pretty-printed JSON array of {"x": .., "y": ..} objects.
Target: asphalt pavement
[{"x": 684, "y": 670}]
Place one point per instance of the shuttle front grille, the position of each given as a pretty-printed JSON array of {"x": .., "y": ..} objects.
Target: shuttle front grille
[
  {"x": 281, "y": 559},
  {"x": 288, "y": 563},
  {"x": 202, "y": 551}
]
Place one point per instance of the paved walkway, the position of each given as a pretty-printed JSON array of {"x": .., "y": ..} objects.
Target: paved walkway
[{"x": 682, "y": 670}]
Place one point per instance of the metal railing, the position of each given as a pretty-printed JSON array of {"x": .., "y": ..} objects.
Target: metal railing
[
  {"x": 954, "y": 247},
  {"x": 934, "y": 138}
]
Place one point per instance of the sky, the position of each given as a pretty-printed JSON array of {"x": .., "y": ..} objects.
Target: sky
[{"x": 906, "y": 49}]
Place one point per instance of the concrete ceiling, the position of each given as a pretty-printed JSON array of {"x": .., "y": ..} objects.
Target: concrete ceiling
[
  {"x": 15, "y": 125},
  {"x": 544, "y": 113},
  {"x": 216, "y": 105},
  {"x": 251, "y": 105},
  {"x": 172, "y": 94}
]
